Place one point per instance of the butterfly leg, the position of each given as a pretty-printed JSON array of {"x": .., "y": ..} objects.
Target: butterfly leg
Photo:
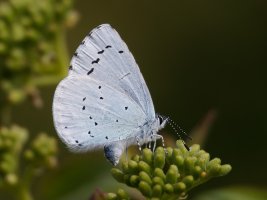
[
  {"x": 126, "y": 153},
  {"x": 138, "y": 143},
  {"x": 155, "y": 144},
  {"x": 155, "y": 137}
]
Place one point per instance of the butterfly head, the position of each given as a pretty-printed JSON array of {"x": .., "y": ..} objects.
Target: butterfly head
[{"x": 161, "y": 121}]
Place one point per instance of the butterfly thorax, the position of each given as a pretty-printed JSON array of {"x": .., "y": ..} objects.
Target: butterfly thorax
[{"x": 149, "y": 131}]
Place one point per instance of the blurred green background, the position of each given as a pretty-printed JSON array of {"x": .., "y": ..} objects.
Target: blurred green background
[{"x": 196, "y": 56}]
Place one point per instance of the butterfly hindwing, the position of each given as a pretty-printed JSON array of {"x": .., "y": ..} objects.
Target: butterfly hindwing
[
  {"x": 105, "y": 57},
  {"x": 90, "y": 114}
]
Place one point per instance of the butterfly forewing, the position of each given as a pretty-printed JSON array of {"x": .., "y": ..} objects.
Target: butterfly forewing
[{"x": 105, "y": 57}]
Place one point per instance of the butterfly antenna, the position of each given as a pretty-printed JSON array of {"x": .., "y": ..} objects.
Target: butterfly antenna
[
  {"x": 184, "y": 133},
  {"x": 174, "y": 125}
]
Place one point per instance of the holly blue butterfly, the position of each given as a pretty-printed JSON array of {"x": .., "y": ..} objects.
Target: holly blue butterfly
[{"x": 104, "y": 101}]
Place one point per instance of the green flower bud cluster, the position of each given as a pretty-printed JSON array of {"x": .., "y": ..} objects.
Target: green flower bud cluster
[
  {"x": 167, "y": 173},
  {"x": 43, "y": 152},
  {"x": 32, "y": 45},
  {"x": 11, "y": 142}
]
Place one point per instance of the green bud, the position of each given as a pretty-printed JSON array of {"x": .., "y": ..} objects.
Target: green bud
[
  {"x": 117, "y": 174},
  {"x": 169, "y": 151},
  {"x": 71, "y": 19},
  {"x": 147, "y": 156},
  {"x": 134, "y": 180},
  {"x": 16, "y": 96},
  {"x": 179, "y": 161},
  {"x": 176, "y": 152},
  {"x": 157, "y": 191},
  {"x": 202, "y": 163},
  {"x": 188, "y": 180},
  {"x": 225, "y": 169},
  {"x": 159, "y": 172},
  {"x": 159, "y": 158},
  {"x": 133, "y": 167},
  {"x": 181, "y": 147},
  {"x": 145, "y": 177},
  {"x": 28, "y": 155},
  {"x": 126, "y": 179},
  {"x": 122, "y": 194},
  {"x": 6, "y": 11},
  {"x": 168, "y": 188},
  {"x": 214, "y": 169},
  {"x": 111, "y": 196},
  {"x": 194, "y": 149},
  {"x": 11, "y": 179},
  {"x": 125, "y": 167},
  {"x": 179, "y": 187},
  {"x": 172, "y": 174},
  {"x": 215, "y": 161},
  {"x": 136, "y": 158},
  {"x": 51, "y": 162},
  {"x": 9, "y": 163},
  {"x": 200, "y": 153},
  {"x": 197, "y": 171},
  {"x": 145, "y": 188},
  {"x": 203, "y": 175},
  {"x": 158, "y": 180},
  {"x": 205, "y": 156},
  {"x": 143, "y": 166},
  {"x": 189, "y": 164},
  {"x": 3, "y": 47},
  {"x": 17, "y": 32}
]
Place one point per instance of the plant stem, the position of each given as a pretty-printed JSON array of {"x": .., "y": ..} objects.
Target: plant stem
[
  {"x": 23, "y": 192},
  {"x": 61, "y": 49},
  {"x": 23, "y": 187},
  {"x": 5, "y": 114}
]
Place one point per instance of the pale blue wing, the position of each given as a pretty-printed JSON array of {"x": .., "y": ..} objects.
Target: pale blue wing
[
  {"x": 105, "y": 57},
  {"x": 90, "y": 114}
]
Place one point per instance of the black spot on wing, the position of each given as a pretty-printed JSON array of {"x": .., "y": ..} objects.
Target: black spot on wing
[
  {"x": 106, "y": 137},
  {"x": 117, "y": 120},
  {"x": 126, "y": 108},
  {"x": 90, "y": 117},
  {"x": 83, "y": 108},
  {"x": 84, "y": 98},
  {"x": 100, "y": 52},
  {"x": 90, "y": 71},
  {"x": 75, "y": 54},
  {"x": 66, "y": 127},
  {"x": 108, "y": 46},
  {"x": 76, "y": 141},
  {"x": 89, "y": 132},
  {"x": 96, "y": 123},
  {"x": 121, "y": 51},
  {"x": 101, "y": 98},
  {"x": 80, "y": 145},
  {"x": 99, "y": 87},
  {"x": 70, "y": 67},
  {"x": 83, "y": 42},
  {"x": 95, "y": 61}
]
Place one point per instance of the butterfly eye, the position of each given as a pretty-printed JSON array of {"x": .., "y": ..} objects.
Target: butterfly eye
[{"x": 160, "y": 120}]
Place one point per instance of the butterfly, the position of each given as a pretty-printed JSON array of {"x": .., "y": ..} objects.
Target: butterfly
[{"x": 104, "y": 101}]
